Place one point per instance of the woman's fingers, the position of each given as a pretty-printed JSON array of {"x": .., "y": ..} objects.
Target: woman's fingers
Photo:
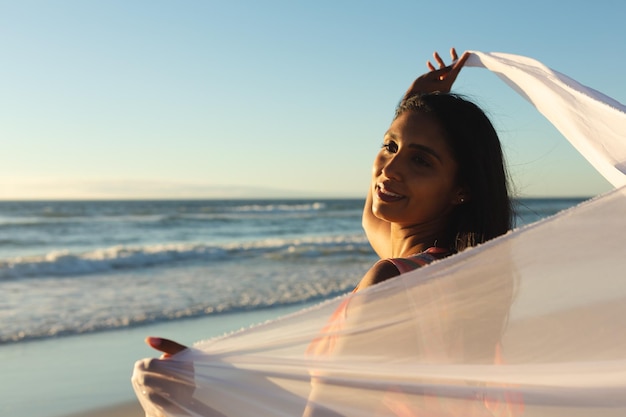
[
  {"x": 438, "y": 79},
  {"x": 168, "y": 347},
  {"x": 458, "y": 64},
  {"x": 453, "y": 54},
  {"x": 452, "y": 70},
  {"x": 439, "y": 60}
]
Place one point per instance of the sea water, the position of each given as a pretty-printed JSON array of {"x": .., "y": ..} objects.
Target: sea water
[
  {"x": 86, "y": 266},
  {"x": 83, "y": 282}
]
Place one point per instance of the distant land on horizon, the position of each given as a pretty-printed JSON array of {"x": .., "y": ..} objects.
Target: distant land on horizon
[
  {"x": 68, "y": 188},
  {"x": 153, "y": 190},
  {"x": 146, "y": 190}
]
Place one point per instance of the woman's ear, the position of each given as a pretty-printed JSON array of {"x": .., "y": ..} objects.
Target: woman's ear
[{"x": 462, "y": 197}]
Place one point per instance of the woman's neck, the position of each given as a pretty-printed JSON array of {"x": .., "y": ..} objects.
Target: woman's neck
[{"x": 407, "y": 241}]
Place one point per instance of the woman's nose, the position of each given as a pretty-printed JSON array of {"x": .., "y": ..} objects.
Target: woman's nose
[{"x": 392, "y": 167}]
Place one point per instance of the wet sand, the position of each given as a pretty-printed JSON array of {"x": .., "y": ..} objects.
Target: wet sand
[{"x": 89, "y": 375}]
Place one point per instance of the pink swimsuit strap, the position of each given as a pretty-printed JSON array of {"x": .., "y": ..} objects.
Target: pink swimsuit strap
[{"x": 418, "y": 260}]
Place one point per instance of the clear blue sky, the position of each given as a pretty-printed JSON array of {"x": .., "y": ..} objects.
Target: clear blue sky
[{"x": 136, "y": 99}]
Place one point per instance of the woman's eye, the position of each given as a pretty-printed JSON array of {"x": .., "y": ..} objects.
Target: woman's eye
[
  {"x": 390, "y": 147},
  {"x": 419, "y": 160}
]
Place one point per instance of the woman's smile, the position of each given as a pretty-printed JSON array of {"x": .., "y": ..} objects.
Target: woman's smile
[{"x": 386, "y": 194}]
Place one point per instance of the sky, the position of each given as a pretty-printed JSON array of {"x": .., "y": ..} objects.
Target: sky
[{"x": 228, "y": 99}]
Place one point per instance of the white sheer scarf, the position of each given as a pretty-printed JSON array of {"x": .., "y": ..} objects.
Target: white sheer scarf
[{"x": 532, "y": 323}]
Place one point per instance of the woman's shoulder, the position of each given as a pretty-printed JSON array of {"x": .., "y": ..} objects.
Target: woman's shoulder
[
  {"x": 381, "y": 271},
  {"x": 388, "y": 268}
]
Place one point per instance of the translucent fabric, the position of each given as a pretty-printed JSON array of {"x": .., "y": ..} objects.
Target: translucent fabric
[
  {"x": 593, "y": 122},
  {"x": 532, "y": 323}
]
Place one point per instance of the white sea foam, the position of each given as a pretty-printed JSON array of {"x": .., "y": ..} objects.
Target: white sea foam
[
  {"x": 281, "y": 207},
  {"x": 65, "y": 263},
  {"x": 130, "y": 298}
]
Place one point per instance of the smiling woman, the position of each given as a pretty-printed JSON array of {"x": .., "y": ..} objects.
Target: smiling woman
[
  {"x": 439, "y": 183},
  {"x": 439, "y": 186},
  {"x": 522, "y": 324}
]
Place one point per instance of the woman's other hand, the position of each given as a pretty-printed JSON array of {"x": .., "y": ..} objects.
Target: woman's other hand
[
  {"x": 168, "y": 384},
  {"x": 438, "y": 79}
]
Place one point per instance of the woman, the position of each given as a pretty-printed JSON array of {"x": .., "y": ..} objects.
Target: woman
[
  {"x": 439, "y": 183},
  {"x": 438, "y": 187}
]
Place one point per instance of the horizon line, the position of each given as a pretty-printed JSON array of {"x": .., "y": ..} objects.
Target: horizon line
[{"x": 291, "y": 197}]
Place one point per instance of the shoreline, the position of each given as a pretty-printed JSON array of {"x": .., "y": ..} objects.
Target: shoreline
[
  {"x": 125, "y": 409},
  {"x": 89, "y": 375}
]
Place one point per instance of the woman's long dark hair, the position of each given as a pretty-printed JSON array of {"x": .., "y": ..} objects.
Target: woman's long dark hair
[{"x": 487, "y": 212}]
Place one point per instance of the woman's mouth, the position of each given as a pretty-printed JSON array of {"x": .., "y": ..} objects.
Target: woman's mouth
[{"x": 387, "y": 195}]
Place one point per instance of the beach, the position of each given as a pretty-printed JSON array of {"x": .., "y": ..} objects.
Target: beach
[
  {"x": 130, "y": 409},
  {"x": 89, "y": 375},
  {"x": 84, "y": 283}
]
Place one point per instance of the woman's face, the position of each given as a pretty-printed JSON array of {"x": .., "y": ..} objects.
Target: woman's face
[{"x": 414, "y": 174}]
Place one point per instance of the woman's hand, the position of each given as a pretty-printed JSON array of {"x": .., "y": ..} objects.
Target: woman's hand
[
  {"x": 440, "y": 79},
  {"x": 167, "y": 383}
]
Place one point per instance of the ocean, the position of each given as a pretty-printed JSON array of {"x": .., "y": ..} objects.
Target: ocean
[
  {"x": 77, "y": 267},
  {"x": 83, "y": 282}
]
